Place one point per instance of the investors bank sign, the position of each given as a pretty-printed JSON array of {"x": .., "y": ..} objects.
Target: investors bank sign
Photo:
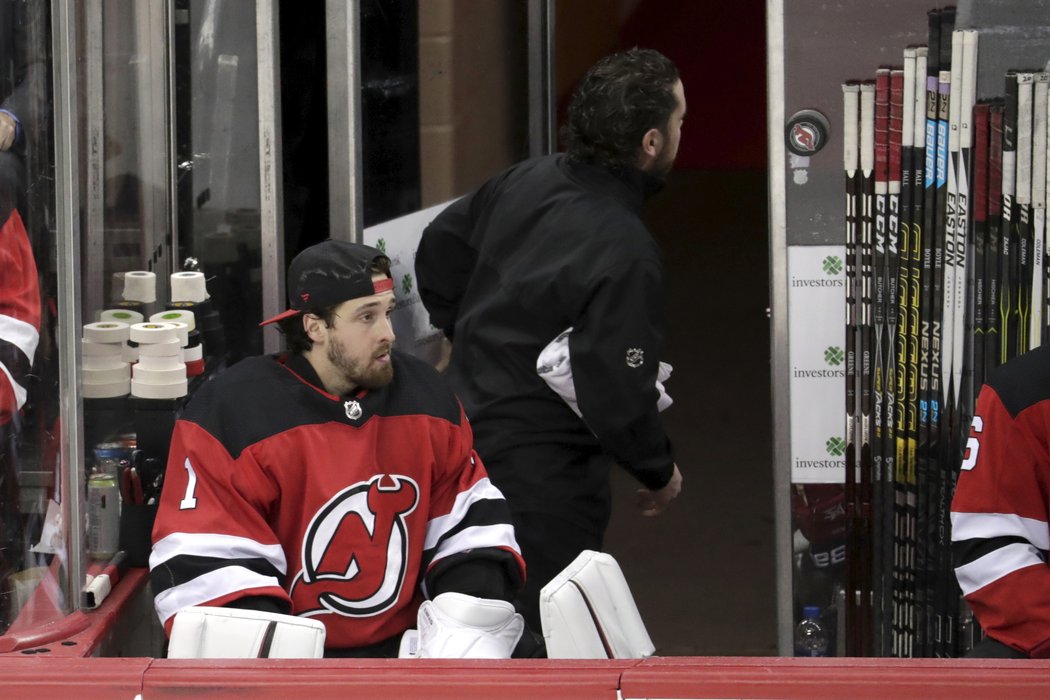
[{"x": 817, "y": 358}]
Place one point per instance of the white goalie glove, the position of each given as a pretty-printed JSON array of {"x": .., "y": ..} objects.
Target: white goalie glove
[
  {"x": 229, "y": 633},
  {"x": 458, "y": 626}
]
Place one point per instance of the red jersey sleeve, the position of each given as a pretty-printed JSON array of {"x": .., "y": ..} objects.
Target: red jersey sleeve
[
  {"x": 999, "y": 518},
  {"x": 468, "y": 514}
]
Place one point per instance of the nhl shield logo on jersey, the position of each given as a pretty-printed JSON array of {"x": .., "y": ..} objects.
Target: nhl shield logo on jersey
[
  {"x": 635, "y": 357},
  {"x": 353, "y": 409},
  {"x": 355, "y": 551}
]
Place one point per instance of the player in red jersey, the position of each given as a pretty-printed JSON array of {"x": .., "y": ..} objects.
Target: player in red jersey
[
  {"x": 1000, "y": 535},
  {"x": 337, "y": 481}
]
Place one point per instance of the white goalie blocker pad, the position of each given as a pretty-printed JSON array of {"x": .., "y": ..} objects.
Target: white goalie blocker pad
[
  {"x": 587, "y": 612},
  {"x": 459, "y": 626},
  {"x": 227, "y": 633}
]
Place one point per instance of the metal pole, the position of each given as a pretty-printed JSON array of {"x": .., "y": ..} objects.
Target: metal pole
[
  {"x": 345, "y": 206},
  {"x": 271, "y": 186},
  {"x": 780, "y": 370},
  {"x": 67, "y": 216},
  {"x": 542, "y": 121}
]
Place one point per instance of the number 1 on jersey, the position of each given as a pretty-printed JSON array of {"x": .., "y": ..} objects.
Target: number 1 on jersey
[{"x": 189, "y": 501}]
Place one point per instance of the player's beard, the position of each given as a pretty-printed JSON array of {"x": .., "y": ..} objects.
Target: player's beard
[{"x": 365, "y": 377}]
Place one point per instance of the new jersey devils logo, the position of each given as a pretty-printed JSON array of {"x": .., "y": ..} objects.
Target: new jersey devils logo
[{"x": 355, "y": 551}]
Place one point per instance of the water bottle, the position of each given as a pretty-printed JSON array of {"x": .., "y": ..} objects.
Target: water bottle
[{"x": 811, "y": 639}]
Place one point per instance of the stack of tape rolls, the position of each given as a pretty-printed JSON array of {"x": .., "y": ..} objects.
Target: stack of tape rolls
[
  {"x": 188, "y": 286},
  {"x": 105, "y": 374},
  {"x": 160, "y": 372},
  {"x": 140, "y": 285},
  {"x": 192, "y": 348}
]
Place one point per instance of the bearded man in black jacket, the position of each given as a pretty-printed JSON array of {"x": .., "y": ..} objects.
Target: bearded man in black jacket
[{"x": 555, "y": 248}]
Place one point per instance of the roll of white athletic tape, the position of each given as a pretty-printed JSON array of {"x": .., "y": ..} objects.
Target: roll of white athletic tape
[
  {"x": 188, "y": 286},
  {"x": 123, "y": 315},
  {"x": 168, "y": 375},
  {"x": 99, "y": 362},
  {"x": 121, "y": 373},
  {"x": 105, "y": 391},
  {"x": 106, "y": 332},
  {"x": 169, "y": 348},
  {"x": 92, "y": 349},
  {"x": 193, "y": 352},
  {"x": 140, "y": 285},
  {"x": 152, "y": 333},
  {"x": 160, "y": 363},
  {"x": 173, "y": 316},
  {"x": 158, "y": 391}
]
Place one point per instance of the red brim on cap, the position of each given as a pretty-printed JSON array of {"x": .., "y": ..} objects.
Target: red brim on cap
[
  {"x": 384, "y": 285},
  {"x": 281, "y": 316}
]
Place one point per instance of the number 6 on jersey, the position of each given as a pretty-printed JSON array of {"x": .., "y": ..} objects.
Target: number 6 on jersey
[{"x": 973, "y": 446}]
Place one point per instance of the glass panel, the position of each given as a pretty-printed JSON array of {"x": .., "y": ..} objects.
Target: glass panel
[
  {"x": 135, "y": 268},
  {"x": 32, "y": 543},
  {"x": 217, "y": 151}
]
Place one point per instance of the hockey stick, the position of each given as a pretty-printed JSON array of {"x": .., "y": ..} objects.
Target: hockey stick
[
  {"x": 1039, "y": 140},
  {"x": 851, "y": 166},
  {"x": 1023, "y": 207},
  {"x": 861, "y": 588},
  {"x": 881, "y": 458}
]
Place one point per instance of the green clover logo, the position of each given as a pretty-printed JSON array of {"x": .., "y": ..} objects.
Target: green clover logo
[
  {"x": 406, "y": 283},
  {"x": 832, "y": 265},
  {"x": 834, "y": 356},
  {"x": 381, "y": 244},
  {"x": 836, "y": 446}
]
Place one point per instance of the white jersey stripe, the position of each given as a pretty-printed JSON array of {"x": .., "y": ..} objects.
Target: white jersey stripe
[
  {"x": 475, "y": 538},
  {"x": 971, "y": 526},
  {"x": 21, "y": 334},
  {"x": 995, "y": 565},
  {"x": 438, "y": 527},
  {"x": 208, "y": 587},
  {"x": 215, "y": 545},
  {"x": 501, "y": 535}
]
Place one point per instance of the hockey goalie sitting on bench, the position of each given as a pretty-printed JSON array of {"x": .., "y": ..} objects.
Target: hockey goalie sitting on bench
[
  {"x": 587, "y": 612},
  {"x": 336, "y": 483}
]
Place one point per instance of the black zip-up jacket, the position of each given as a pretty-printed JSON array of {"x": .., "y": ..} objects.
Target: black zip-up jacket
[{"x": 549, "y": 244}]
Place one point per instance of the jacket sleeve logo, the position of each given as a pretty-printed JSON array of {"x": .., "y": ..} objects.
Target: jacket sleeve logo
[
  {"x": 355, "y": 551},
  {"x": 635, "y": 357}
]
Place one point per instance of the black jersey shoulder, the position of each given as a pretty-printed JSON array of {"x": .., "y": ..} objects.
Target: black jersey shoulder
[
  {"x": 417, "y": 389},
  {"x": 259, "y": 397},
  {"x": 1023, "y": 381}
]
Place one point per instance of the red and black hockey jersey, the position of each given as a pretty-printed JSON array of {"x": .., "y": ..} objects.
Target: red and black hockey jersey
[
  {"x": 1000, "y": 535},
  {"x": 341, "y": 506},
  {"x": 19, "y": 313}
]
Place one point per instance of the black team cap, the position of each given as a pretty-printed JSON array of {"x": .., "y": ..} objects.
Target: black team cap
[{"x": 330, "y": 273}]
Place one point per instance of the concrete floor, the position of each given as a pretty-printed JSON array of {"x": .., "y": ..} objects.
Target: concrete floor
[{"x": 703, "y": 573}]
